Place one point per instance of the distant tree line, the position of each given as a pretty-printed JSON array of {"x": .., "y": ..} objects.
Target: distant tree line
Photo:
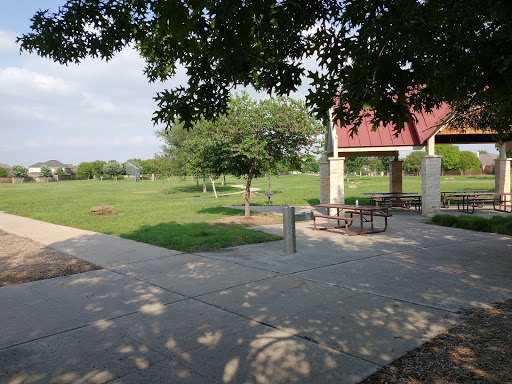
[
  {"x": 113, "y": 168},
  {"x": 452, "y": 159}
]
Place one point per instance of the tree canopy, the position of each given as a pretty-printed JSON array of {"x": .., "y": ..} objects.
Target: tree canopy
[
  {"x": 113, "y": 168},
  {"x": 45, "y": 171},
  {"x": 469, "y": 161},
  {"x": 450, "y": 156},
  {"x": 254, "y": 138},
  {"x": 412, "y": 161},
  {"x": 19, "y": 171},
  {"x": 389, "y": 58}
]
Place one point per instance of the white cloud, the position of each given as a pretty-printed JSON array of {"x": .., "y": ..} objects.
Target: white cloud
[
  {"x": 8, "y": 42},
  {"x": 15, "y": 80},
  {"x": 85, "y": 112},
  {"x": 135, "y": 140}
]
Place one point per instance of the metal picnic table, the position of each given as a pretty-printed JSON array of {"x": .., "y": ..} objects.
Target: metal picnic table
[
  {"x": 467, "y": 201},
  {"x": 445, "y": 200},
  {"x": 362, "y": 211},
  {"x": 406, "y": 200}
]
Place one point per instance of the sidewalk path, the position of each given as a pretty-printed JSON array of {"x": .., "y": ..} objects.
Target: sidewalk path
[{"x": 334, "y": 312}]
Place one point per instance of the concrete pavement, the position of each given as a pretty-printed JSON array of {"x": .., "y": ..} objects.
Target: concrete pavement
[{"x": 334, "y": 312}]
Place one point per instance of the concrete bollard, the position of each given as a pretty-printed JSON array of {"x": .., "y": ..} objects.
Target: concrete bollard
[{"x": 290, "y": 242}]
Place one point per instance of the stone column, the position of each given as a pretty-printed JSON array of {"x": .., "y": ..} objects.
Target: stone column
[
  {"x": 395, "y": 177},
  {"x": 430, "y": 185},
  {"x": 324, "y": 182},
  {"x": 502, "y": 176},
  {"x": 336, "y": 180}
]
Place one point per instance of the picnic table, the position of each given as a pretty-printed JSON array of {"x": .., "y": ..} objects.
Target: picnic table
[
  {"x": 375, "y": 195},
  {"x": 468, "y": 201},
  {"x": 404, "y": 200},
  {"x": 445, "y": 196},
  {"x": 366, "y": 214}
]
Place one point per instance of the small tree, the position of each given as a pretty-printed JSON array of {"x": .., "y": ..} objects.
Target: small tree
[
  {"x": 469, "y": 162},
  {"x": 255, "y": 136},
  {"x": 165, "y": 168},
  {"x": 386, "y": 160},
  {"x": 451, "y": 156},
  {"x": 45, "y": 171},
  {"x": 84, "y": 170},
  {"x": 60, "y": 172},
  {"x": 113, "y": 169},
  {"x": 412, "y": 162},
  {"x": 3, "y": 172},
  {"x": 97, "y": 168},
  {"x": 353, "y": 165},
  {"x": 211, "y": 158},
  {"x": 374, "y": 165},
  {"x": 19, "y": 171},
  {"x": 176, "y": 146},
  {"x": 149, "y": 166}
]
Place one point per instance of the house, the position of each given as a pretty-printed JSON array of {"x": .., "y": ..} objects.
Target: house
[
  {"x": 54, "y": 165},
  {"x": 487, "y": 160},
  {"x": 7, "y": 168}
]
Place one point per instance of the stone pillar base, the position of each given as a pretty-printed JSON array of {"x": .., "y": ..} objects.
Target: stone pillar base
[
  {"x": 324, "y": 183},
  {"x": 395, "y": 177},
  {"x": 430, "y": 185},
  {"x": 502, "y": 176},
  {"x": 336, "y": 180}
]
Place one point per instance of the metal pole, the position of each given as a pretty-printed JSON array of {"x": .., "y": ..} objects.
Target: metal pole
[{"x": 290, "y": 245}]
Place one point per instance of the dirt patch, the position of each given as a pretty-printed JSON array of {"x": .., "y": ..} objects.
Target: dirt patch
[
  {"x": 23, "y": 260},
  {"x": 253, "y": 221},
  {"x": 476, "y": 351}
]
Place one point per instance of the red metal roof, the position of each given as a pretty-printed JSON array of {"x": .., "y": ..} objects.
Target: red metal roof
[{"x": 413, "y": 134}]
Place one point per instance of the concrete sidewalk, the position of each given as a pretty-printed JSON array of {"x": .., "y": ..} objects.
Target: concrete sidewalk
[{"x": 334, "y": 312}]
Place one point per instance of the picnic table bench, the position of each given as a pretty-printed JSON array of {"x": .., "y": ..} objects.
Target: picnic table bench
[
  {"x": 468, "y": 201},
  {"x": 446, "y": 196},
  {"x": 376, "y": 196},
  {"x": 404, "y": 200},
  {"x": 363, "y": 211}
]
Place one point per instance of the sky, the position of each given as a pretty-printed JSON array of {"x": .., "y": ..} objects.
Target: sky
[{"x": 75, "y": 113}]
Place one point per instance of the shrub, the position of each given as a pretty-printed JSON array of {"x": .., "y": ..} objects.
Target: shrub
[
  {"x": 60, "y": 172},
  {"x": 112, "y": 168},
  {"x": 3, "y": 172},
  {"x": 19, "y": 171},
  {"x": 495, "y": 224},
  {"x": 45, "y": 171}
]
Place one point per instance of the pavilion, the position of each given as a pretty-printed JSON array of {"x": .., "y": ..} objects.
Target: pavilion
[{"x": 423, "y": 134}]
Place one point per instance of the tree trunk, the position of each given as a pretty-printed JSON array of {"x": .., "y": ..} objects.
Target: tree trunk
[
  {"x": 248, "y": 190},
  {"x": 197, "y": 183},
  {"x": 224, "y": 181},
  {"x": 204, "y": 184},
  {"x": 213, "y": 186}
]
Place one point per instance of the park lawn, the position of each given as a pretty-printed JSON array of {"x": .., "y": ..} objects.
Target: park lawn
[{"x": 184, "y": 219}]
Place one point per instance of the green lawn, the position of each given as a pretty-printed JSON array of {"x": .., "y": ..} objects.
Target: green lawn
[{"x": 181, "y": 220}]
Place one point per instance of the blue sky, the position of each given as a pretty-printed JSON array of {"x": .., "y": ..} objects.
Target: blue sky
[
  {"x": 85, "y": 112},
  {"x": 75, "y": 113}
]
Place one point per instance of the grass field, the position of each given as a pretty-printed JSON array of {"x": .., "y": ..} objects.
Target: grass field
[{"x": 184, "y": 219}]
